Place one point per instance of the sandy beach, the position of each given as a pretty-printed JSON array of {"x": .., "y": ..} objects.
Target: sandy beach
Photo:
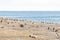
[{"x": 14, "y": 29}]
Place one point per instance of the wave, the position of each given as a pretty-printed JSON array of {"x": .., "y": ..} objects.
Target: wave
[{"x": 54, "y": 19}]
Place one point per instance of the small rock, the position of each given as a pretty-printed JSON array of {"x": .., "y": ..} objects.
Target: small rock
[
  {"x": 21, "y": 25},
  {"x": 32, "y": 36},
  {"x": 2, "y": 27}
]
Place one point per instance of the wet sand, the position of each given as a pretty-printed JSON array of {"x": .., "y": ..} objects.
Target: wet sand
[{"x": 14, "y": 29}]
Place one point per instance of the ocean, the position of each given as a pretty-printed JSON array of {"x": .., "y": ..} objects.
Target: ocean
[{"x": 37, "y": 16}]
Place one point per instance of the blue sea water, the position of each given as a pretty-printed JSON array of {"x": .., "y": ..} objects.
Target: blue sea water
[{"x": 38, "y": 16}]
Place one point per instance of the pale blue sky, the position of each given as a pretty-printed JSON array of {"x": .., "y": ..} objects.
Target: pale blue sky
[{"x": 28, "y": 5}]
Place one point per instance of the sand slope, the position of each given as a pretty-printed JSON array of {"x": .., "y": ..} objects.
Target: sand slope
[{"x": 14, "y": 29}]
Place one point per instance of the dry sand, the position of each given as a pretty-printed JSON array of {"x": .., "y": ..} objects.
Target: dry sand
[{"x": 14, "y": 29}]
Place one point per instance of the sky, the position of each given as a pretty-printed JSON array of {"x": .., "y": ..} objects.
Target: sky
[{"x": 29, "y": 5}]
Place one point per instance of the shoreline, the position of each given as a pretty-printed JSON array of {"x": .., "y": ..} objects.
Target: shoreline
[{"x": 28, "y": 20}]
